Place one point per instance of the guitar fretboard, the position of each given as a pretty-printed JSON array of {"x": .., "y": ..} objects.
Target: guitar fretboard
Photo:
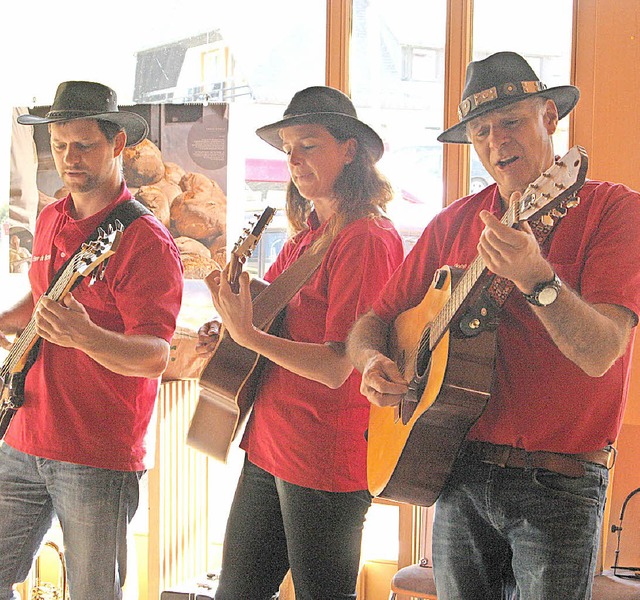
[
  {"x": 562, "y": 179},
  {"x": 28, "y": 336},
  {"x": 476, "y": 269}
]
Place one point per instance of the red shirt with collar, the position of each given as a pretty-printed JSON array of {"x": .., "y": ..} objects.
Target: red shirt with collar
[
  {"x": 76, "y": 410},
  {"x": 301, "y": 430},
  {"x": 540, "y": 400}
]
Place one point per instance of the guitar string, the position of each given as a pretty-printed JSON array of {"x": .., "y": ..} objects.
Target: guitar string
[
  {"x": 469, "y": 278},
  {"x": 28, "y": 334}
]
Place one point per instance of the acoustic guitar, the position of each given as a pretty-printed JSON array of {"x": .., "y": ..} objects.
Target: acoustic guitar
[
  {"x": 445, "y": 348},
  {"x": 229, "y": 379},
  {"x": 13, "y": 370}
]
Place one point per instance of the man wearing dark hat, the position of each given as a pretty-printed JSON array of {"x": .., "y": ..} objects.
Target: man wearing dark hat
[
  {"x": 76, "y": 446},
  {"x": 522, "y": 508}
]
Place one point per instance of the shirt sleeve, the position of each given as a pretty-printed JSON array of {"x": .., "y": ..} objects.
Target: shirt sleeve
[
  {"x": 611, "y": 273},
  {"x": 359, "y": 265},
  {"x": 148, "y": 280}
]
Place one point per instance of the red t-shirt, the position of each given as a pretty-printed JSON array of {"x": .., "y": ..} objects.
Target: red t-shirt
[
  {"x": 76, "y": 410},
  {"x": 540, "y": 400},
  {"x": 300, "y": 430}
]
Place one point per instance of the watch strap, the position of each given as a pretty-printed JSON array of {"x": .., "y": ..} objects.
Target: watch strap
[{"x": 534, "y": 297}]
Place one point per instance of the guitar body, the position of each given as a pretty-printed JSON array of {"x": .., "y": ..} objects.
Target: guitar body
[
  {"x": 412, "y": 448},
  {"x": 227, "y": 388},
  {"x": 227, "y": 385}
]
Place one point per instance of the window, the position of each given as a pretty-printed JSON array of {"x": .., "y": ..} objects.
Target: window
[
  {"x": 549, "y": 55},
  {"x": 421, "y": 64},
  {"x": 397, "y": 77}
]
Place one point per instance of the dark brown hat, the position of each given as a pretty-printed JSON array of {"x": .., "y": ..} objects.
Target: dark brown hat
[
  {"x": 497, "y": 81},
  {"x": 89, "y": 100},
  {"x": 326, "y": 106}
]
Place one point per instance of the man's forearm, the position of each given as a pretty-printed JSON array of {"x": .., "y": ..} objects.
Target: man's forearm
[
  {"x": 16, "y": 318},
  {"x": 131, "y": 355},
  {"x": 593, "y": 337},
  {"x": 368, "y": 335}
]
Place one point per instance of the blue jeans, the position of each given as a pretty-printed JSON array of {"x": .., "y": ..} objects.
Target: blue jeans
[
  {"x": 94, "y": 507},
  {"x": 517, "y": 533},
  {"x": 274, "y": 526}
]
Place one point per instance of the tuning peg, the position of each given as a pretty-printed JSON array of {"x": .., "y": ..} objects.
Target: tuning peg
[
  {"x": 547, "y": 220},
  {"x": 572, "y": 202},
  {"x": 559, "y": 185},
  {"x": 559, "y": 212}
]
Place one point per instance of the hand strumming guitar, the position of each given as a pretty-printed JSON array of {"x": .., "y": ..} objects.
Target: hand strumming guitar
[{"x": 234, "y": 307}]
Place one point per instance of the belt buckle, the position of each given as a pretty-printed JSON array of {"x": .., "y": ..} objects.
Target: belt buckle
[{"x": 612, "y": 452}]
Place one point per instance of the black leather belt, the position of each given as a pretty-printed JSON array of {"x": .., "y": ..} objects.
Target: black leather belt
[{"x": 569, "y": 465}]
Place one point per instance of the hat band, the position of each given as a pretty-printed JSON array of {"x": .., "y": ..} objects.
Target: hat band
[
  {"x": 55, "y": 114},
  {"x": 492, "y": 94}
]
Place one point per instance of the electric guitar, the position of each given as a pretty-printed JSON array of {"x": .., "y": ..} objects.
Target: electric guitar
[
  {"x": 445, "y": 348},
  {"x": 18, "y": 361},
  {"x": 228, "y": 381}
]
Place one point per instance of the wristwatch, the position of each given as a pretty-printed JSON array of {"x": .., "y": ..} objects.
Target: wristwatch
[{"x": 545, "y": 293}]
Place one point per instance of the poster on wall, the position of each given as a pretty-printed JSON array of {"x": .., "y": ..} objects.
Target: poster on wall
[{"x": 179, "y": 172}]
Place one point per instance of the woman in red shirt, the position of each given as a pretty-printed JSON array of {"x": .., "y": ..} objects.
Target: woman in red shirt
[{"x": 302, "y": 495}]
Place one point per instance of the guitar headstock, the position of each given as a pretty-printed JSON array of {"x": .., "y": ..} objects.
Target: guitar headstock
[
  {"x": 246, "y": 245},
  {"x": 97, "y": 252},
  {"x": 554, "y": 186}
]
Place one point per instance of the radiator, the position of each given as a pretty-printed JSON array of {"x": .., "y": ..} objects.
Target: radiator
[{"x": 178, "y": 494}]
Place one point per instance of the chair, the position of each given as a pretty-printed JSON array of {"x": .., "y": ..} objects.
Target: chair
[
  {"x": 608, "y": 586},
  {"x": 415, "y": 580}
]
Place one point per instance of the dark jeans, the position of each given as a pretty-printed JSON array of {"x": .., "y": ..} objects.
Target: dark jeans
[
  {"x": 275, "y": 525},
  {"x": 517, "y": 533}
]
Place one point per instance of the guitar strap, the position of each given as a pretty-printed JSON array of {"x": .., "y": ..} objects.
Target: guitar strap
[
  {"x": 274, "y": 298},
  {"x": 122, "y": 215}
]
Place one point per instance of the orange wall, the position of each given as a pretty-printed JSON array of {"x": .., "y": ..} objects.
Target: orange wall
[{"x": 607, "y": 124}]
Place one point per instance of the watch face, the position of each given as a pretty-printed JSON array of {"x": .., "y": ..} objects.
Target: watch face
[{"x": 547, "y": 295}]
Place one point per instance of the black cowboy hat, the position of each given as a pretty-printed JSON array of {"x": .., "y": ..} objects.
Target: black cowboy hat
[
  {"x": 497, "y": 81},
  {"x": 326, "y": 106},
  {"x": 89, "y": 100}
]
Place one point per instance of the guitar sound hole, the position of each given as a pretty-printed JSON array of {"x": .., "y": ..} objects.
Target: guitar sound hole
[{"x": 418, "y": 382}]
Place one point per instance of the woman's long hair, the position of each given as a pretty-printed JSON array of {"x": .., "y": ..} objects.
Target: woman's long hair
[{"x": 360, "y": 190}]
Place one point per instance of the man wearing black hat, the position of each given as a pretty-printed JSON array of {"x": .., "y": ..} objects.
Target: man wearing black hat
[
  {"x": 75, "y": 446},
  {"x": 522, "y": 507}
]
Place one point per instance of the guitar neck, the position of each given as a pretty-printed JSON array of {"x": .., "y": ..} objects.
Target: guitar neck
[
  {"x": 468, "y": 280},
  {"x": 28, "y": 337}
]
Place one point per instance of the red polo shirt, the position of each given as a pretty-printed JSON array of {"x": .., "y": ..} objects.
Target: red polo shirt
[
  {"x": 300, "y": 430},
  {"x": 76, "y": 410},
  {"x": 541, "y": 400}
]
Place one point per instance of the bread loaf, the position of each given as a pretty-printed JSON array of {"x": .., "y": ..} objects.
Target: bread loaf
[
  {"x": 173, "y": 172},
  {"x": 196, "y": 258},
  {"x": 199, "y": 212},
  {"x": 156, "y": 201},
  {"x": 142, "y": 164}
]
